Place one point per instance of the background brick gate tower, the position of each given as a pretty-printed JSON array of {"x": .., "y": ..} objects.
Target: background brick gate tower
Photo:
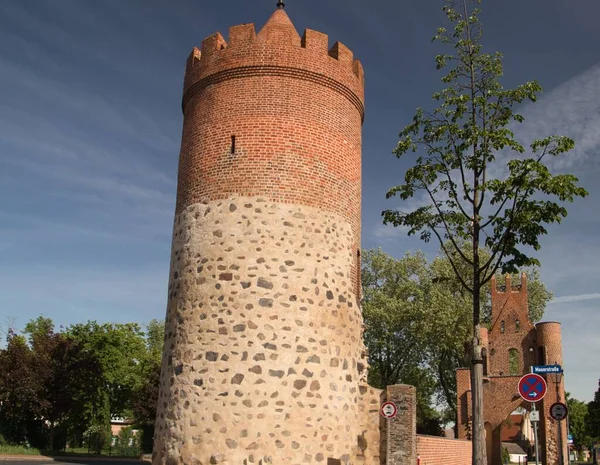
[
  {"x": 263, "y": 355},
  {"x": 512, "y": 346}
]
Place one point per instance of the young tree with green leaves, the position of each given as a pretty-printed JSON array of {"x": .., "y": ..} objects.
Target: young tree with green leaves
[{"x": 466, "y": 196}]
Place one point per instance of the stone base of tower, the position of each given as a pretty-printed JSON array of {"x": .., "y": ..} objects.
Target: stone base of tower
[{"x": 263, "y": 349}]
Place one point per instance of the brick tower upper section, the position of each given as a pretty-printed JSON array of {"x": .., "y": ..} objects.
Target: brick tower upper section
[{"x": 273, "y": 114}]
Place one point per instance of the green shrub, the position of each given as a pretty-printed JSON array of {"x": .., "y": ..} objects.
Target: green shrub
[
  {"x": 127, "y": 443},
  {"x": 505, "y": 455}
]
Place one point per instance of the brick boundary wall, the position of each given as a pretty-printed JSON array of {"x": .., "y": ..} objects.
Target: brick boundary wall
[{"x": 434, "y": 450}]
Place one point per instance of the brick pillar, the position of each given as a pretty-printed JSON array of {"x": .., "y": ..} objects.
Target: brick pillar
[{"x": 401, "y": 431}]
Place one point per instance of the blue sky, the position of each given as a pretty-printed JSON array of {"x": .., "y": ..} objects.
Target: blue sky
[{"x": 90, "y": 126}]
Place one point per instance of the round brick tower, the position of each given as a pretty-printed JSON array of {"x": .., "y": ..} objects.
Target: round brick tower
[
  {"x": 263, "y": 348},
  {"x": 549, "y": 342}
]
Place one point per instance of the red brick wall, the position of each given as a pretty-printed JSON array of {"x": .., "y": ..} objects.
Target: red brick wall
[
  {"x": 442, "y": 451},
  {"x": 295, "y": 110}
]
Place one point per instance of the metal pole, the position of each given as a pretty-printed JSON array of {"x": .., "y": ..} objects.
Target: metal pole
[
  {"x": 568, "y": 448},
  {"x": 561, "y": 456},
  {"x": 535, "y": 436},
  {"x": 560, "y": 444}
]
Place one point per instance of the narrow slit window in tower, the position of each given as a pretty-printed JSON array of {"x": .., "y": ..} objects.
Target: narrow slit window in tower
[
  {"x": 502, "y": 326},
  {"x": 232, "y": 145},
  {"x": 518, "y": 326}
]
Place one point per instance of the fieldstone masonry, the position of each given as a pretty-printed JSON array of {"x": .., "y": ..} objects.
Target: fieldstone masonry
[{"x": 263, "y": 335}]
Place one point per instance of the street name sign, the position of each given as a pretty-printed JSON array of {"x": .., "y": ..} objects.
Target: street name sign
[
  {"x": 545, "y": 369},
  {"x": 532, "y": 387}
]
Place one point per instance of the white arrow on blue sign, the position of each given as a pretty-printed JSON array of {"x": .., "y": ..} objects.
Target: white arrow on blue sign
[{"x": 544, "y": 369}]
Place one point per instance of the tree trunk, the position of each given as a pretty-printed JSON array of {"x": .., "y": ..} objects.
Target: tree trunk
[
  {"x": 51, "y": 436},
  {"x": 477, "y": 427}
]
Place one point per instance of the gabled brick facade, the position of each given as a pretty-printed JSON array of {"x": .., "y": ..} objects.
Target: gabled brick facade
[{"x": 512, "y": 346}]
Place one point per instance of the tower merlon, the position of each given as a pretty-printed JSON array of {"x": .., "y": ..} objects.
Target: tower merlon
[
  {"x": 212, "y": 44},
  {"x": 277, "y": 44},
  {"x": 342, "y": 53},
  {"x": 242, "y": 35},
  {"x": 508, "y": 287}
]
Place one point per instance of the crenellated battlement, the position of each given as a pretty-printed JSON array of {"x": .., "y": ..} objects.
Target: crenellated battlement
[
  {"x": 277, "y": 49},
  {"x": 517, "y": 288}
]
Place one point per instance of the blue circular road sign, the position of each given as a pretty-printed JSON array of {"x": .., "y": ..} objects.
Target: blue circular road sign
[{"x": 532, "y": 387}]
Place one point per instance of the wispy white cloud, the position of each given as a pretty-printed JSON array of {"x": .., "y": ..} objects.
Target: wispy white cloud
[
  {"x": 571, "y": 109},
  {"x": 574, "y": 298}
]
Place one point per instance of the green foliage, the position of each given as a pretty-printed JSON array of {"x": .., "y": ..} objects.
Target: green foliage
[
  {"x": 505, "y": 455},
  {"x": 458, "y": 143},
  {"x": 98, "y": 436},
  {"x": 121, "y": 348},
  {"x": 481, "y": 187},
  {"x": 10, "y": 449},
  {"x": 418, "y": 321},
  {"x": 592, "y": 418},
  {"x": 578, "y": 411},
  {"x": 127, "y": 443},
  {"x": 64, "y": 387},
  {"x": 397, "y": 316},
  {"x": 417, "y": 314}
]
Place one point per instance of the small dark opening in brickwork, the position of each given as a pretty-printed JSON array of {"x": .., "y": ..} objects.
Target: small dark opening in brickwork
[
  {"x": 331, "y": 461},
  {"x": 232, "y": 145},
  {"x": 542, "y": 355}
]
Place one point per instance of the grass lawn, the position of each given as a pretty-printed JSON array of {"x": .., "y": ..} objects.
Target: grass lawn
[
  {"x": 83, "y": 451},
  {"x": 18, "y": 450}
]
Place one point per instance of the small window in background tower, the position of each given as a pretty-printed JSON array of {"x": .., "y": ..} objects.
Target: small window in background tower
[
  {"x": 502, "y": 327},
  {"x": 513, "y": 361},
  {"x": 518, "y": 326}
]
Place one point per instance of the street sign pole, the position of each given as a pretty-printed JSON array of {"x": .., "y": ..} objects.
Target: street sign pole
[
  {"x": 532, "y": 388},
  {"x": 535, "y": 436},
  {"x": 535, "y": 433},
  {"x": 561, "y": 458}
]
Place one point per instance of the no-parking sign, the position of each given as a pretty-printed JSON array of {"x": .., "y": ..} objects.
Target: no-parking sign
[{"x": 532, "y": 387}]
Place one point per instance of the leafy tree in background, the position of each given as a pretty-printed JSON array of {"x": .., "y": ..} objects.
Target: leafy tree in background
[
  {"x": 18, "y": 387},
  {"x": 418, "y": 321},
  {"x": 592, "y": 418},
  {"x": 467, "y": 197},
  {"x": 145, "y": 398},
  {"x": 121, "y": 350},
  {"x": 577, "y": 427},
  {"x": 395, "y": 308}
]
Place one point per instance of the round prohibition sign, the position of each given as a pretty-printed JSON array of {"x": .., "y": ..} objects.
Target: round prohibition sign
[
  {"x": 558, "y": 411},
  {"x": 532, "y": 387},
  {"x": 388, "y": 410}
]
